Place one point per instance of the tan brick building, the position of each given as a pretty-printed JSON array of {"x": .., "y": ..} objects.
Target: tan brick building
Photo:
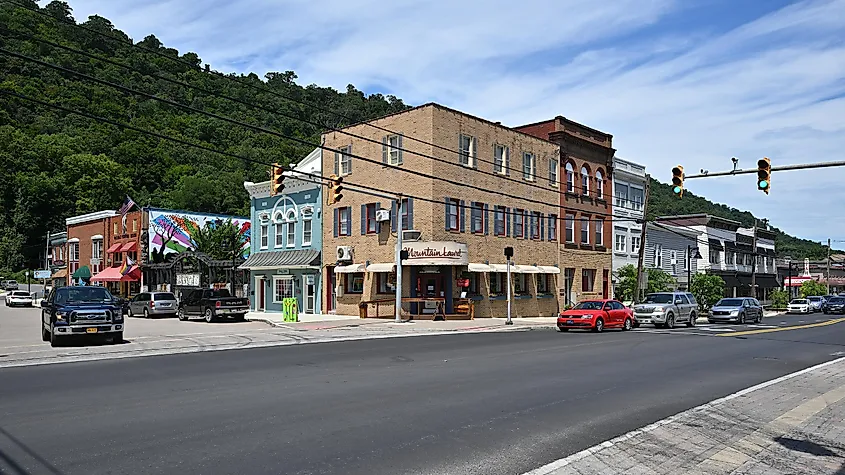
[
  {"x": 586, "y": 197},
  {"x": 464, "y": 224}
]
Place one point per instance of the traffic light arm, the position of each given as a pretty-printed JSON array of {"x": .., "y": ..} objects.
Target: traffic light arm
[{"x": 782, "y": 168}]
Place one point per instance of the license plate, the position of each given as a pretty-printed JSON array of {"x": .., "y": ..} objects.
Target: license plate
[
  {"x": 91, "y": 330},
  {"x": 569, "y": 322}
]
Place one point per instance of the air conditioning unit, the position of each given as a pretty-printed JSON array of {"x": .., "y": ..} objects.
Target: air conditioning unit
[
  {"x": 344, "y": 253},
  {"x": 382, "y": 215}
]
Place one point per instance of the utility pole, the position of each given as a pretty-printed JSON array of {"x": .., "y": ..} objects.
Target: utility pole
[
  {"x": 828, "y": 266},
  {"x": 47, "y": 265},
  {"x": 399, "y": 233},
  {"x": 641, "y": 254},
  {"x": 754, "y": 262}
]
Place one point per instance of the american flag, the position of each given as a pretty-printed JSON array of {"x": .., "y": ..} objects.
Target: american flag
[{"x": 126, "y": 206}]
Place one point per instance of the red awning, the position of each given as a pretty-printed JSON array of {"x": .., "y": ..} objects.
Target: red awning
[
  {"x": 129, "y": 246},
  {"x": 112, "y": 274},
  {"x": 114, "y": 248}
]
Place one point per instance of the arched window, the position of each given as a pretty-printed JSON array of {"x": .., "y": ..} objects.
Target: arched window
[
  {"x": 585, "y": 181},
  {"x": 599, "y": 185},
  {"x": 291, "y": 228},
  {"x": 570, "y": 178},
  {"x": 278, "y": 229}
]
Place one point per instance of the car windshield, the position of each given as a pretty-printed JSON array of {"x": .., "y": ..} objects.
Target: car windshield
[
  {"x": 798, "y": 302},
  {"x": 83, "y": 295},
  {"x": 836, "y": 300},
  {"x": 589, "y": 305},
  {"x": 20, "y": 294},
  {"x": 729, "y": 303},
  {"x": 659, "y": 298},
  {"x": 160, "y": 297},
  {"x": 221, "y": 293},
  {"x": 814, "y": 299}
]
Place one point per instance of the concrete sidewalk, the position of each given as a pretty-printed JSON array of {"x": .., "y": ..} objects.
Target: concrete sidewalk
[{"x": 791, "y": 425}]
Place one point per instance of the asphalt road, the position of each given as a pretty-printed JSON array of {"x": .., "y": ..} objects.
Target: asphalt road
[{"x": 499, "y": 403}]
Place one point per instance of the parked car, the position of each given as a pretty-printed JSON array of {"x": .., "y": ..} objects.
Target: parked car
[
  {"x": 596, "y": 315},
  {"x": 18, "y": 298},
  {"x": 799, "y": 306},
  {"x": 149, "y": 304},
  {"x": 816, "y": 302},
  {"x": 665, "y": 309},
  {"x": 739, "y": 310},
  {"x": 834, "y": 305},
  {"x": 211, "y": 305},
  {"x": 81, "y": 310},
  {"x": 9, "y": 285}
]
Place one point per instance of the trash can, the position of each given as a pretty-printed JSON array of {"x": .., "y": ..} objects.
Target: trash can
[{"x": 362, "y": 310}]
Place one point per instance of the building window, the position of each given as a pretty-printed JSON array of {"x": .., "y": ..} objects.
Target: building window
[
  {"x": 279, "y": 233},
  {"x": 588, "y": 280},
  {"x": 585, "y": 230},
  {"x": 621, "y": 195},
  {"x": 536, "y": 219},
  {"x": 355, "y": 283},
  {"x": 637, "y": 198},
  {"x": 469, "y": 150},
  {"x": 454, "y": 218},
  {"x": 477, "y": 218},
  {"x": 473, "y": 283},
  {"x": 291, "y": 233},
  {"x": 134, "y": 225},
  {"x": 307, "y": 228},
  {"x": 714, "y": 256},
  {"x": 544, "y": 283},
  {"x": 370, "y": 225},
  {"x": 730, "y": 257},
  {"x": 386, "y": 282},
  {"x": 501, "y": 159},
  {"x": 394, "y": 152},
  {"x": 570, "y": 178},
  {"x": 344, "y": 221},
  {"x": 621, "y": 245},
  {"x": 520, "y": 284},
  {"x": 282, "y": 288},
  {"x": 529, "y": 166},
  {"x": 265, "y": 236},
  {"x": 635, "y": 243},
  {"x": 658, "y": 256},
  {"x": 673, "y": 261},
  {"x": 97, "y": 249},
  {"x": 552, "y": 227},
  {"x": 114, "y": 225},
  {"x": 599, "y": 185},
  {"x": 498, "y": 281},
  {"x": 599, "y": 231},
  {"x": 585, "y": 181},
  {"x": 570, "y": 227},
  {"x": 519, "y": 223},
  {"x": 553, "y": 172},
  {"x": 406, "y": 213},
  {"x": 568, "y": 284},
  {"x": 499, "y": 221},
  {"x": 343, "y": 161},
  {"x": 687, "y": 259}
]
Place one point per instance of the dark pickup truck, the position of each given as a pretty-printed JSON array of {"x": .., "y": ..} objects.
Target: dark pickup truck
[
  {"x": 76, "y": 311},
  {"x": 211, "y": 305}
]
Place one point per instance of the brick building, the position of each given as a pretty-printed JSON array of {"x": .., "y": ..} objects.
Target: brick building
[
  {"x": 86, "y": 241},
  {"x": 586, "y": 197},
  {"x": 463, "y": 226}
]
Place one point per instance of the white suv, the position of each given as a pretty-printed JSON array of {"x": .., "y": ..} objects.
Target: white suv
[{"x": 665, "y": 309}]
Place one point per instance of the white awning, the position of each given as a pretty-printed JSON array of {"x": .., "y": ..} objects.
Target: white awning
[
  {"x": 549, "y": 269},
  {"x": 388, "y": 267},
  {"x": 479, "y": 267},
  {"x": 501, "y": 268},
  {"x": 526, "y": 269},
  {"x": 350, "y": 269}
]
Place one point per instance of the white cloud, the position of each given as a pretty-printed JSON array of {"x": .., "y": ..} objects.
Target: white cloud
[{"x": 693, "y": 97}]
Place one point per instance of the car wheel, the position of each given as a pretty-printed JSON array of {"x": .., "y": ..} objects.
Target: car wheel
[
  {"x": 129, "y": 312},
  {"x": 628, "y": 325},
  {"x": 670, "y": 321},
  {"x": 146, "y": 313},
  {"x": 209, "y": 315},
  {"x": 45, "y": 335},
  {"x": 181, "y": 315},
  {"x": 741, "y": 319},
  {"x": 54, "y": 340},
  {"x": 692, "y": 319},
  {"x": 599, "y": 325},
  {"x": 117, "y": 338},
  {"x": 759, "y": 318},
  {"x": 562, "y": 329}
]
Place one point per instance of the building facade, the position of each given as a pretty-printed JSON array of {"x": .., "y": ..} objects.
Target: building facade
[
  {"x": 586, "y": 201},
  {"x": 629, "y": 183},
  {"x": 85, "y": 247},
  {"x": 285, "y": 260},
  {"x": 794, "y": 272},
  {"x": 672, "y": 249},
  {"x": 119, "y": 269},
  {"x": 479, "y": 188},
  {"x": 56, "y": 248}
]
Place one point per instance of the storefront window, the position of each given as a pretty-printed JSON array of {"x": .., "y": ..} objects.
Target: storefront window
[
  {"x": 282, "y": 288},
  {"x": 520, "y": 284},
  {"x": 355, "y": 283},
  {"x": 497, "y": 283},
  {"x": 544, "y": 283},
  {"x": 474, "y": 278},
  {"x": 386, "y": 282}
]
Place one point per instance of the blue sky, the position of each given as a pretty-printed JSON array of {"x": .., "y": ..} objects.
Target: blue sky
[{"x": 689, "y": 82}]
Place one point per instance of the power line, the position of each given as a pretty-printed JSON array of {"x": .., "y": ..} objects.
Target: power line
[{"x": 274, "y": 133}]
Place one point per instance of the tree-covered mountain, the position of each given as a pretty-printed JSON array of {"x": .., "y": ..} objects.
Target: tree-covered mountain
[
  {"x": 662, "y": 202},
  {"x": 54, "y": 164}
]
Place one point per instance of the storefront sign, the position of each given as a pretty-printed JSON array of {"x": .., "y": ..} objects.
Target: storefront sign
[
  {"x": 188, "y": 280},
  {"x": 436, "y": 253}
]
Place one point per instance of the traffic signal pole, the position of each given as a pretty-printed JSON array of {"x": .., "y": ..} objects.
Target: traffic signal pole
[{"x": 782, "y": 168}]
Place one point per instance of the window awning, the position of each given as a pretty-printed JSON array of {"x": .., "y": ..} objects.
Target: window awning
[
  {"x": 730, "y": 281},
  {"x": 350, "y": 269},
  {"x": 767, "y": 281},
  {"x": 715, "y": 244},
  {"x": 515, "y": 269},
  {"x": 386, "y": 267},
  {"x": 730, "y": 245},
  {"x": 82, "y": 273},
  {"x": 549, "y": 269},
  {"x": 114, "y": 248},
  {"x": 112, "y": 274},
  {"x": 527, "y": 269},
  {"x": 479, "y": 267},
  {"x": 129, "y": 247},
  {"x": 293, "y": 259},
  {"x": 60, "y": 274}
]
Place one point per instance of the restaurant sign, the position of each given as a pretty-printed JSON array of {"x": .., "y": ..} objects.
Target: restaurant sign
[{"x": 435, "y": 253}]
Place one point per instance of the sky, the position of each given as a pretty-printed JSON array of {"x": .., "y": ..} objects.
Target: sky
[{"x": 691, "y": 82}]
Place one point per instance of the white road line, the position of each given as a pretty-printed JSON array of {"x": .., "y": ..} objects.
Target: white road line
[{"x": 558, "y": 464}]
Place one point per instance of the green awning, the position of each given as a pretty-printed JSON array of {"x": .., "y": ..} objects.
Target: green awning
[{"x": 82, "y": 273}]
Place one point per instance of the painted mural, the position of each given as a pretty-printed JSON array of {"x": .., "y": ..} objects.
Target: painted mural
[{"x": 170, "y": 231}]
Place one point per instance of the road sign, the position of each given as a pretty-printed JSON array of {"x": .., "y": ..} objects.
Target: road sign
[{"x": 43, "y": 274}]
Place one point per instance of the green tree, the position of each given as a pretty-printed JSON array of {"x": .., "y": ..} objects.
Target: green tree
[
  {"x": 780, "y": 299},
  {"x": 626, "y": 278},
  {"x": 219, "y": 240},
  {"x": 812, "y": 288},
  {"x": 707, "y": 289}
]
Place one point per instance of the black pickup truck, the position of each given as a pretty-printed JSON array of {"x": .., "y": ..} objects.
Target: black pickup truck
[{"x": 211, "y": 305}]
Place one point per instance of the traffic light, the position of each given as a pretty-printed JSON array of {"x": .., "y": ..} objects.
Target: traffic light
[
  {"x": 764, "y": 175},
  {"x": 277, "y": 178},
  {"x": 335, "y": 189},
  {"x": 678, "y": 181}
]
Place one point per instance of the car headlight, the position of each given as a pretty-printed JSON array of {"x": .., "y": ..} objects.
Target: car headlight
[
  {"x": 734, "y": 312},
  {"x": 586, "y": 316}
]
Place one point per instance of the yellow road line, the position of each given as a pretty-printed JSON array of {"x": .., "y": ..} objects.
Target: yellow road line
[{"x": 770, "y": 330}]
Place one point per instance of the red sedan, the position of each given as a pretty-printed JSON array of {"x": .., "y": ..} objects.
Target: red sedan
[{"x": 596, "y": 315}]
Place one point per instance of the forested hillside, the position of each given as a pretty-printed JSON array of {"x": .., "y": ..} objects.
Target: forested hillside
[{"x": 54, "y": 164}]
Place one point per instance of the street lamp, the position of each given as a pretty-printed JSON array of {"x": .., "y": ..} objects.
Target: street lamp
[
  {"x": 789, "y": 275},
  {"x": 689, "y": 265}
]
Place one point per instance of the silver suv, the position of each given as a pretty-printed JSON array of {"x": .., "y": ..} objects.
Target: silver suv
[{"x": 665, "y": 309}]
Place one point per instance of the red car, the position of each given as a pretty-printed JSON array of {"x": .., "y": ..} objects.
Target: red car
[{"x": 596, "y": 315}]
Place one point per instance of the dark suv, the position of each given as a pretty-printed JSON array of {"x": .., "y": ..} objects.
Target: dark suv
[{"x": 834, "y": 305}]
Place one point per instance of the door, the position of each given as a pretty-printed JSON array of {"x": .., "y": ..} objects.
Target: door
[
  {"x": 605, "y": 284},
  {"x": 260, "y": 293},
  {"x": 611, "y": 315},
  {"x": 310, "y": 294},
  {"x": 331, "y": 295},
  {"x": 432, "y": 285}
]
